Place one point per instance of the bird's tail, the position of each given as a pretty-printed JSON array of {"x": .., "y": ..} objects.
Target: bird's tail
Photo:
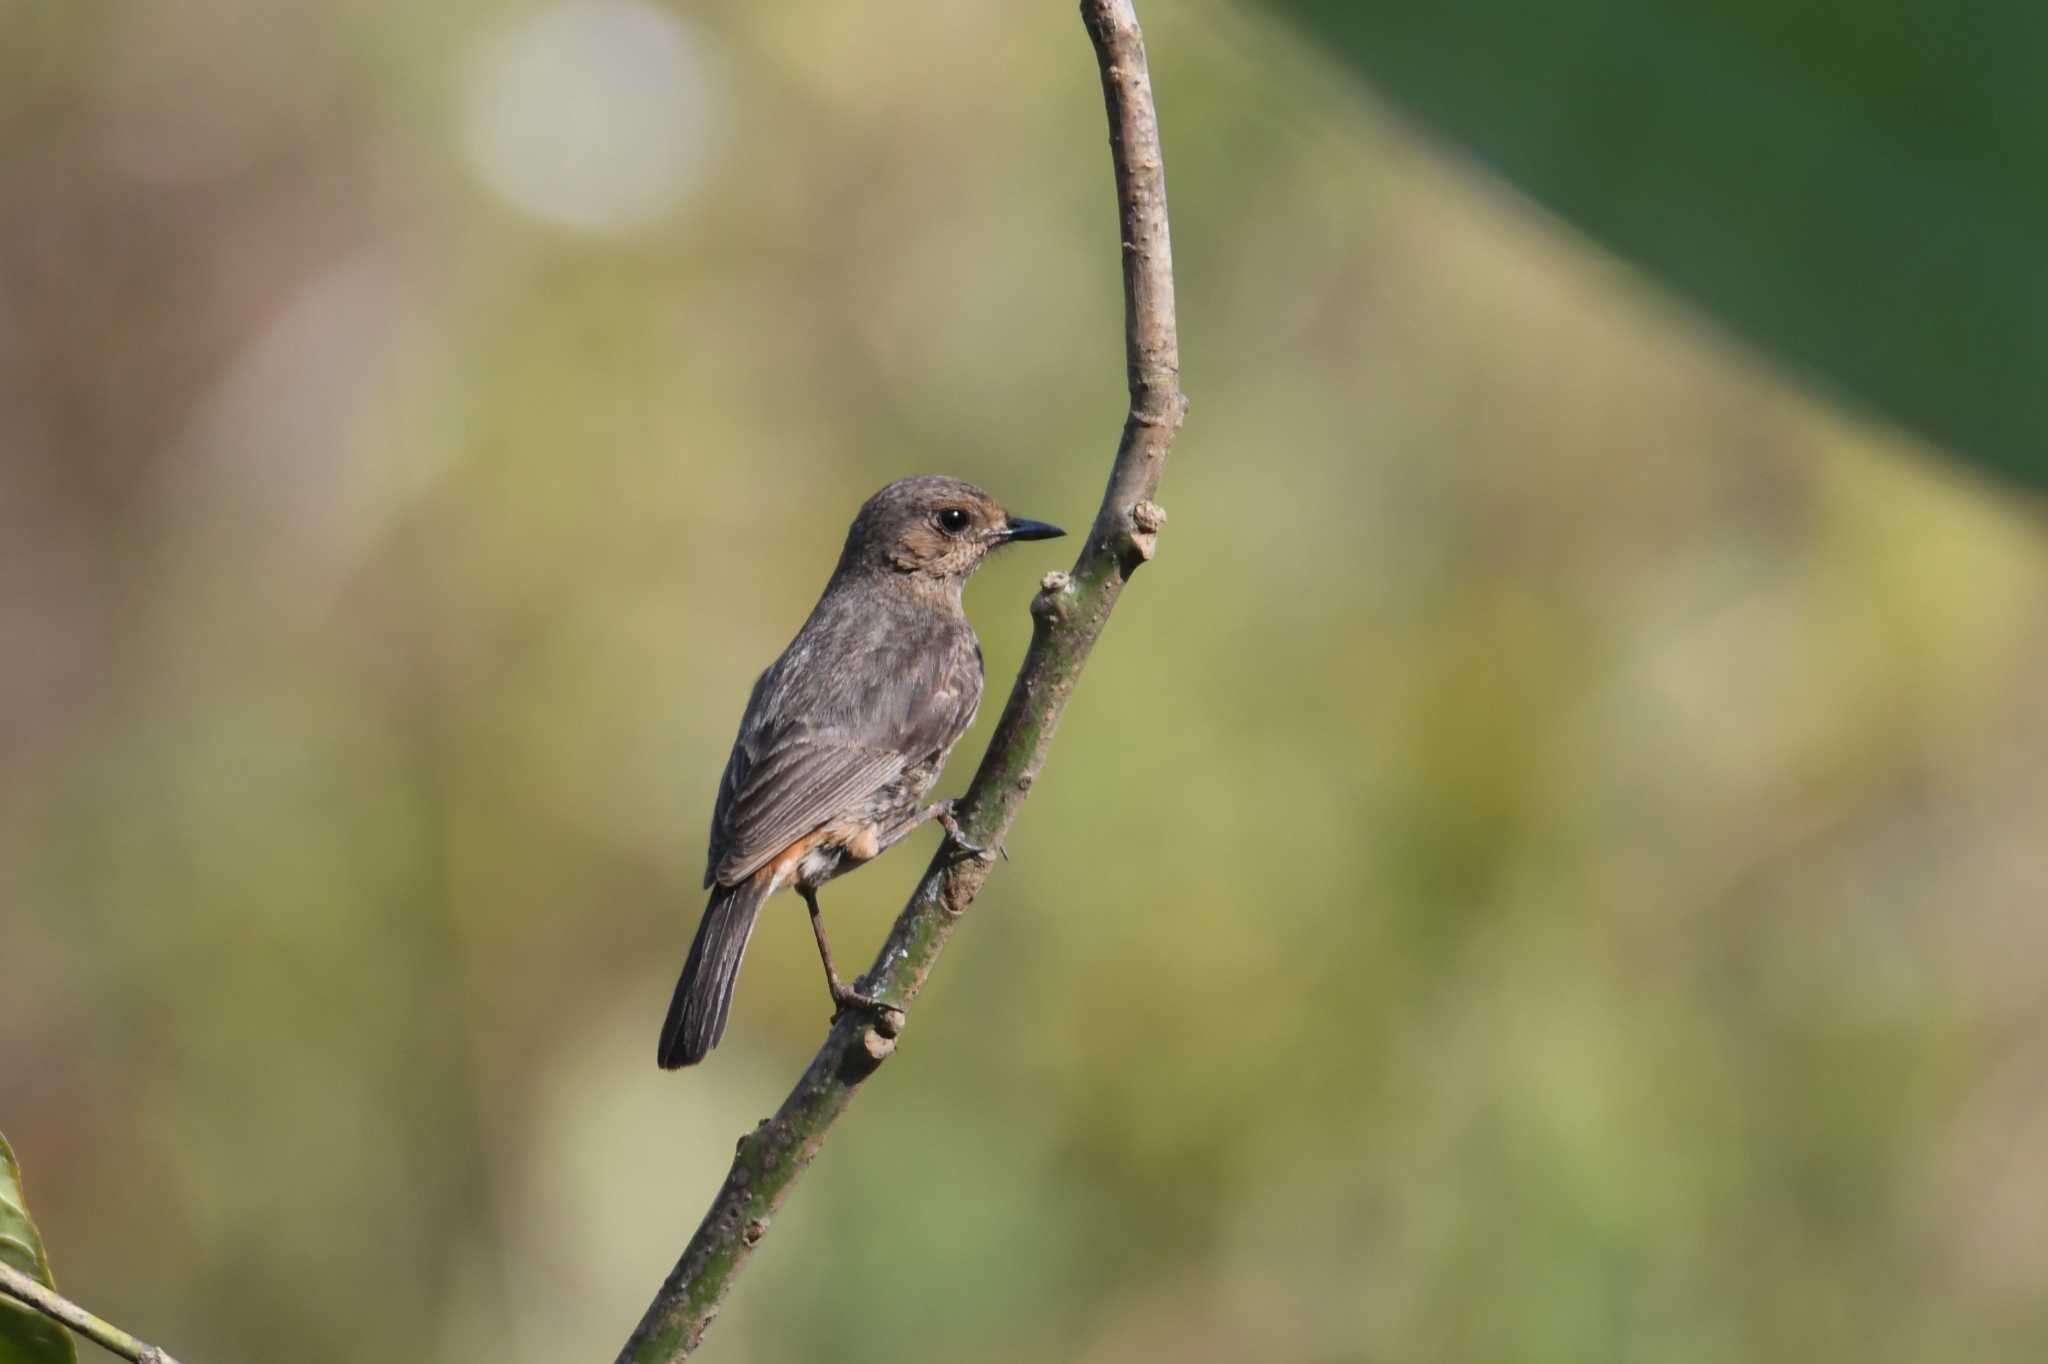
[{"x": 696, "y": 1016}]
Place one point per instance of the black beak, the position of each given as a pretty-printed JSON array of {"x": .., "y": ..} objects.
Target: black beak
[{"x": 1020, "y": 528}]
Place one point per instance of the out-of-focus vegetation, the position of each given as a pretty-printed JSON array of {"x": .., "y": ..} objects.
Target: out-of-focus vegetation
[
  {"x": 1546, "y": 865},
  {"x": 1844, "y": 184}
]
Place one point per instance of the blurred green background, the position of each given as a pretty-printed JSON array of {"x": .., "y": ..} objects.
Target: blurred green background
[{"x": 1547, "y": 865}]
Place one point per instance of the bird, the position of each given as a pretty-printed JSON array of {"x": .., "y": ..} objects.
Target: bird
[{"x": 845, "y": 734}]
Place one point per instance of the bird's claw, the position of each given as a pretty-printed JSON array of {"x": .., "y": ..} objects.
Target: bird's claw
[
  {"x": 960, "y": 840},
  {"x": 845, "y": 997}
]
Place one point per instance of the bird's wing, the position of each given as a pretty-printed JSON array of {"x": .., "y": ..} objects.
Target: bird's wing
[
  {"x": 802, "y": 762},
  {"x": 795, "y": 786}
]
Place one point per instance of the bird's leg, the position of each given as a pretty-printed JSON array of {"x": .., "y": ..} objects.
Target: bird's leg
[
  {"x": 942, "y": 811},
  {"x": 844, "y": 996}
]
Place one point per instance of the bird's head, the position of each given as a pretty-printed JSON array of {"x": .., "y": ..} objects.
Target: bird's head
[{"x": 933, "y": 527}]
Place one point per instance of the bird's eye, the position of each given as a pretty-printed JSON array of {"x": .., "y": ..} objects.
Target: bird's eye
[{"x": 953, "y": 520}]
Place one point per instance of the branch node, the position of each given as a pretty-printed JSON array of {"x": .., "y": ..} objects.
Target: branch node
[
  {"x": 1147, "y": 519},
  {"x": 1055, "y": 592}
]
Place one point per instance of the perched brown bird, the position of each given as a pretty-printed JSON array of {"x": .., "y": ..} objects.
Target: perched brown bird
[{"x": 845, "y": 734}]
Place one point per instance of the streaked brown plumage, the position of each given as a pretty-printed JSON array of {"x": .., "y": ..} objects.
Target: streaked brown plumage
[{"x": 845, "y": 734}]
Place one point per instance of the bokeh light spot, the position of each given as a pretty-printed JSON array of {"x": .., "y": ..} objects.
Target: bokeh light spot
[{"x": 599, "y": 115}]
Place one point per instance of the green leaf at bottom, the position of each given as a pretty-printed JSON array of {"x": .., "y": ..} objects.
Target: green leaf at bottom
[{"x": 26, "y": 1336}]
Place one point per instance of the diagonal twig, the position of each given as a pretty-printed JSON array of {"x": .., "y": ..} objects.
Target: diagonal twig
[
  {"x": 1067, "y": 614},
  {"x": 58, "y": 1308}
]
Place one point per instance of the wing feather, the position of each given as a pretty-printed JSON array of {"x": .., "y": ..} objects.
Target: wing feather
[
  {"x": 820, "y": 743},
  {"x": 799, "y": 786}
]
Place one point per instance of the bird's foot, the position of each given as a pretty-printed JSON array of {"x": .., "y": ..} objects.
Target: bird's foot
[
  {"x": 960, "y": 840},
  {"x": 845, "y": 997}
]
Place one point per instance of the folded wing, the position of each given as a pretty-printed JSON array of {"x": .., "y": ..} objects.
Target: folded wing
[{"x": 808, "y": 758}]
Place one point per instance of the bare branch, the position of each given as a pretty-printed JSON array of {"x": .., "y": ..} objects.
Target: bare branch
[
  {"x": 60, "y": 1309},
  {"x": 1068, "y": 614}
]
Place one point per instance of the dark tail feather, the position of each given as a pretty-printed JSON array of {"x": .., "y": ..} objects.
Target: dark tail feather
[{"x": 696, "y": 1016}]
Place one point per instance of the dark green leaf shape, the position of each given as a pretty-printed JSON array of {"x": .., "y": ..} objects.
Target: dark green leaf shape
[
  {"x": 26, "y": 1337},
  {"x": 1858, "y": 189}
]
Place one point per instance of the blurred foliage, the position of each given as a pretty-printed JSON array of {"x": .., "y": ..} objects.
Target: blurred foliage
[
  {"x": 1842, "y": 184},
  {"x": 1546, "y": 864},
  {"x": 25, "y": 1336}
]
